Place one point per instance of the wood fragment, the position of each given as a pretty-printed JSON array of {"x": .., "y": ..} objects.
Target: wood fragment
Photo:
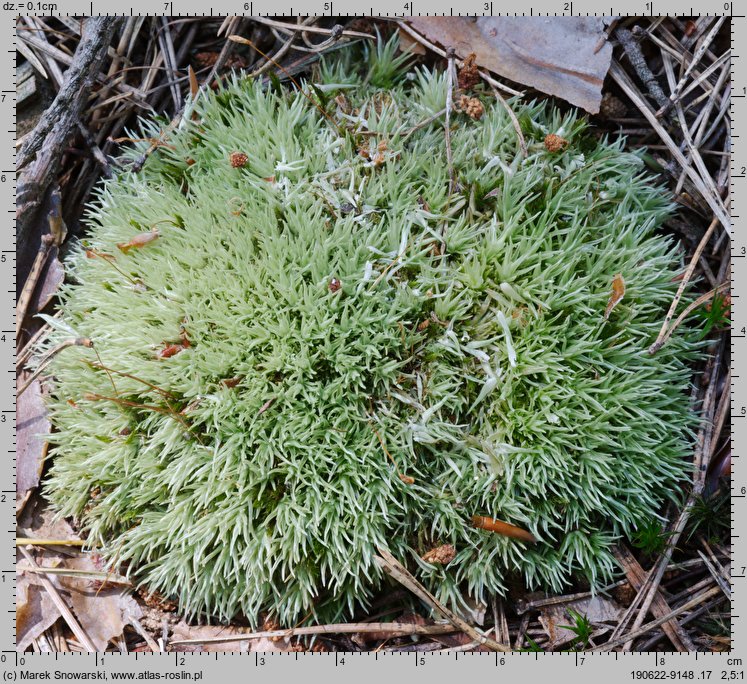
[
  {"x": 650, "y": 626},
  {"x": 636, "y": 576},
  {"x": 394, "y": 568},
  {"x": 633, "y": 52},
  {"x": 41, "y": 153}
]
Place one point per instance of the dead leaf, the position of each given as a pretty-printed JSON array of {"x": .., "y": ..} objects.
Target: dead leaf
[
  {"x": 618, "y": 292},
  {"x": 35, "y": 610},
  {"x": 32, "y": 424},
  {"x": 409, "y": 45},
  {"x": 194, "y": 86},
  {"x": 556, "y": 55},
  {"x": 38, "y": 522},
  {"x": 596, "y": 610},
  {"x": 103, "y": 612}
]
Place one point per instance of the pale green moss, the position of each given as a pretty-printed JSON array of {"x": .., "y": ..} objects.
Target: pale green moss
[{"x": 517, "y": 401}]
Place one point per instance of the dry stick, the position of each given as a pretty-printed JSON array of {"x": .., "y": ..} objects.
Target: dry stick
[
  {"x": 169, "y": 58},
  {"x": 54, "y": 68},
  {"x": 31, "y": 57},
  {"x": 501, "y": 623},
  {"x": 27, "y": 350},
  {"x": 514, "y": 121},
  {"x": 47, "y": 142},
  {"x": 717, "y": 573},
  {"x": 522, "y": 606},
  {"x": 636, "y": 576},
  {"x": 86, "y": 574},
  {"x": 705, "y": 434},
  {"x": 683, "y": 284},
  {"x": 695, "y": 155},
  {"x": 71, "y": 100},
  {"x": 645, "y": 629},
  {"x": 638, "y": 62},
  {"x": 67, "y": 614},
  {"x": 291, "y": 28},
  {"x": 705, "y": 186},
  {"x": 98, "y": 155},
  {"x": 30, "y": 285},
  {"x": 702, "y": 80},
  {"x": 521, "y": 632},
  {"x": 447, "y": 124},
  {"x": 648, "y": 590},
  {"x": 705, "y": 583},
  {"x": 272, "y": 61},
  {"x": 392, "y": 628},
  {"x": 393, "y": 567},
  {"x": 674, "y": 97},
  {"x": 647, "y": 646},
  {"x": 28, "y": 541},
  {"x": 692, "y": 306},
  {"x": 55, "y": 237},
  {"x": 705, "y": 115},
  {"x": 152, "y": 645},
  {"x": 416, "y": 127},
  {"x": 74, "y": 342},
  {"x": 434, "y": 48},
  {"x": 722, "y": 412}
]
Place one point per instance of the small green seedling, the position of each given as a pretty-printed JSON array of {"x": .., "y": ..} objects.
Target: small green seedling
[{"x": 581, "y": 627}]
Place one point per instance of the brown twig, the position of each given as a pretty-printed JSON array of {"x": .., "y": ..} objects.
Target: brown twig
[
  {"x": 633, "y": 51},
  {"x": 447, "y": 123},
  {"x": 394, "y": 568},
  {"x": 392, "y": 628},
  {"x": 663, "y": 339},
  {"x": 649, "y": 626},
  {"x": 30, "y": 285},
  {"x": 705, "y": 186},
  {"x": 659, "y": 607},
  {"x": 514, "y": 122}
]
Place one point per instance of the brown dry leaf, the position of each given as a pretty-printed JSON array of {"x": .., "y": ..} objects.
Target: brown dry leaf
[
  {"x": 194, "y": 86},
  {"x": 596, "y": 609},
  {"x": 183, "y": 631},
  {"x": 104, "y": 612},
  {"x": 32, "y": 424},
  {"x": 618, "y": 292},
  {"x": 35, "y": 610},
  {"x": 409, "y": 45},
  {"x": 559, "y": 56},
  {"x": 101, "y": 612}
]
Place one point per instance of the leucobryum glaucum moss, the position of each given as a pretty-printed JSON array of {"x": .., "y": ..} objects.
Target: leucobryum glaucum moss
[{"x": 326, "y": 351}]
